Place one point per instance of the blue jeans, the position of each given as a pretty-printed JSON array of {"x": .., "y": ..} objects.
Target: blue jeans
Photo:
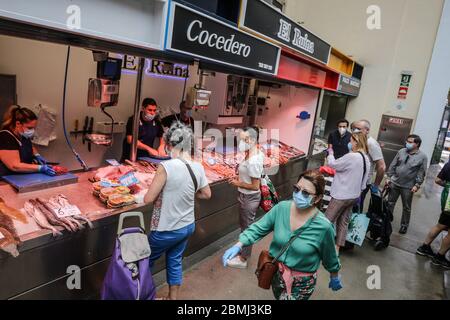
[{"x": 172, "y": 243}]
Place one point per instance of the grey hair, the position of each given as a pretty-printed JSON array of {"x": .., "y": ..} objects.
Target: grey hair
[
  {"x": 366, "y": 123},
  {"x": 179, "y": 136},
  {"x": 253, "y": 133}
]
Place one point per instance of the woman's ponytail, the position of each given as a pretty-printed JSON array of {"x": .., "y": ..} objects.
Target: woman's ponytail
[{"x": 17, "y": 113}]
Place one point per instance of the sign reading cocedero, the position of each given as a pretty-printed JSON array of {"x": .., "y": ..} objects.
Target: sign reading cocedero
[
  {"x": 348, "y": 85},
  {"x": 193, "y": 33},
  {"x": 261, "y": 18}
]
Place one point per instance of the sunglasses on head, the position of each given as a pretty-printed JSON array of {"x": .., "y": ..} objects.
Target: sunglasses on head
[{"x": 305, "y": 193}]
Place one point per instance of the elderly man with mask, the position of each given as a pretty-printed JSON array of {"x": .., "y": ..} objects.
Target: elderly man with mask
[{"x": 376, "y": 159}]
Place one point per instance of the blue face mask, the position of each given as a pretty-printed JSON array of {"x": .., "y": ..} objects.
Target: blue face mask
[
  {"x": 350, "y": 147},
  {"x": 189, "y": 113},
  {"x": 409, "y": 146},
  {"x": 29, "y": 133},
  {"x": 302, "y": 202}
]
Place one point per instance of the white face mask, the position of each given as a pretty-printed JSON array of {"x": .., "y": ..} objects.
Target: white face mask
[
  {"x": 148, "y": 117},
  {"x": 342, "y": 131},
  {"x": 243, "y": 146}
]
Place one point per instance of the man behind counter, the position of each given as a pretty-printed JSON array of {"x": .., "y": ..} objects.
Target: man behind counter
[
  {"x": 185, "y": 117},
  {"x": 150, "y": 128}
]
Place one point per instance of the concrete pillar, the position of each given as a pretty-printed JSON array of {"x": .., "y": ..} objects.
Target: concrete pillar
[{"x": 436, "y": 87}]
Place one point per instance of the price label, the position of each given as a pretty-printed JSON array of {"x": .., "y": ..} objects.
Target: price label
[
  {"x": 128, "y": 179},
  {"x": 113, "y": 162},
  {"x": 68, "y": 211},
  {"x": 107, "y": 183}
]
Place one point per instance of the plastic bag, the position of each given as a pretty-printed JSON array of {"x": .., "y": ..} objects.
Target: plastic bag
[
  {"x": 45, "y": 128},
  {"x": 357, "y": 228}
]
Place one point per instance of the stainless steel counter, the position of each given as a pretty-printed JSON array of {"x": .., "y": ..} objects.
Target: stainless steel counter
[{"x": 40, "y": 271}]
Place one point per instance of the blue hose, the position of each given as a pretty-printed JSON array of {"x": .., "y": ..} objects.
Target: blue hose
[{"x": 77, "y": 156}]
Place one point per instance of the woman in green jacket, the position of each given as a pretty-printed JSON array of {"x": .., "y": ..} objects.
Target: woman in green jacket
[{"x": 301, "y": 218}]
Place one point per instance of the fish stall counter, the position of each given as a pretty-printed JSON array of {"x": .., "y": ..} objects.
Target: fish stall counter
[{"x": 68, "y": 259}]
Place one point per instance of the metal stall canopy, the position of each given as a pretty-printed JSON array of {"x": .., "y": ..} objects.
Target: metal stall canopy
[
  {"x": 28, "y": 20},
  {"x": 145, "y": 25}
]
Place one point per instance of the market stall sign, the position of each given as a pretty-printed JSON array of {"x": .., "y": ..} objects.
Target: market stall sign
[
  {"x": 349, "y": 85},
  {"x": 264, "y": 20},
  {"x": 404, "y": 85},
  {"x": 136, "y": 23},
  {"x": 193, "y": 33},
  {"x": 154, "y": 67}
]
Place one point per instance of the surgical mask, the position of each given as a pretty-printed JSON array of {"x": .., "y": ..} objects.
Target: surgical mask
[
  {"x": 409, "y": 146},
  {"x": 356, "y": 131},
  {"x": 148, "y": 117},
  {"x": 243, "y": 146},
  {"x": 302, "y": 202},
  {"x": 342, "y": 131},
  {"x": 350, "y": 147},
  {"x": 28, "y": 133},
  {"x": 189, "y": 113}
]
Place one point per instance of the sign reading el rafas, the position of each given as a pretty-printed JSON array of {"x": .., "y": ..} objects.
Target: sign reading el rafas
[{"x": 260, "y": 18}]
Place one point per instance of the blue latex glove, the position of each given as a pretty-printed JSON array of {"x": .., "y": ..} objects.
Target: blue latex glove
[
  {"x": 374, "y": 189},
  {"x": 230, "y": 254},
  {"x": 335, "y": 283},
  {"x": 41, "y": 160},
  {"x": 48, "y": 170}
]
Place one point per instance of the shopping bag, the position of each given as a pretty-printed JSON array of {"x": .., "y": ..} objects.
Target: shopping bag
[
  {"x": 445, "y": 199},
  {"x": 357, "y": 228},
  {"x": 269, "y": 196}
]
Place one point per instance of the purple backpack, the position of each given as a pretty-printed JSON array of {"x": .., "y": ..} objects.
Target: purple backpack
[{"x": 129, "y": 276}]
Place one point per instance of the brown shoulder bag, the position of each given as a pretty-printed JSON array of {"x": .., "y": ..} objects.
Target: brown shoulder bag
[{"x": 268, "y": 266}]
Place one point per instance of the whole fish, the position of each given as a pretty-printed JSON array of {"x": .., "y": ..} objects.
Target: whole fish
[
  {"x": 7, "y": 223},
  {"x": 76, "y": 222},
  {"x": 49, "y": 215},
  {"x": 85, "y": 219},
  {"x": 8, "y": 244},
  {"x": 13, "y": 213},
  {"x": 40, "y": 218},
  {"x": 48, "y": 207}
]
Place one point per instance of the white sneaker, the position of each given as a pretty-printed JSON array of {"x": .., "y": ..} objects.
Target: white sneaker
[{"x": 236, "y": 262}]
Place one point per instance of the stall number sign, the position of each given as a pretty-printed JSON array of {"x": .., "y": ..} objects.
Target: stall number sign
[
  {"x": 264, "y": 20},
  {"x": 195, "y": 34},
  {"x": 404, "y": 86}
]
